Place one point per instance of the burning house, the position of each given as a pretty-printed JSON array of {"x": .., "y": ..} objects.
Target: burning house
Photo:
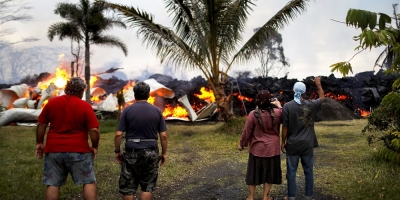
[{"x": 193, "y": 100}]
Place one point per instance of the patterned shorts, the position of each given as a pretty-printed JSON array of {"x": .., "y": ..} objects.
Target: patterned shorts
[
  {"x": 57, "y": 166},
  {"x": 139, "y": 167}
]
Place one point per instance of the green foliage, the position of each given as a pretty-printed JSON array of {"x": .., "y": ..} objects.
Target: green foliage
[
  {"x": 386, "y": 116},
  {"x": 361, "y": 18},
  {"x": 389, "y": 155},
  {"x": 384, "y": 125},
  {"x": 342, "y": 67},
  {"x": 384, "y": 122},
  {"x": 372, "y": 37}
]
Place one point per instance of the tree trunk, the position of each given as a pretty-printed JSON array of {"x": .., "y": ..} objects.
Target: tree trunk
[
  {"x": 87, "y": 69},
  {"x": 72, "y": 69},
  {"x": 224, "y": 103}
]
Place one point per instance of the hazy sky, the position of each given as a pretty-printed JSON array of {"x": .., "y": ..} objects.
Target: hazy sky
[{"x": 312, "y": 42}]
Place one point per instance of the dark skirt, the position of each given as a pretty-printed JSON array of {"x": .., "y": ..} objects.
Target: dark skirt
[{"x": 262, "y": 170}]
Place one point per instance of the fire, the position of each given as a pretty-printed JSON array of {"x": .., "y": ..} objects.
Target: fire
[
  {"x": 44, "y": 103},
  {"x": 337, "y": 97},
  {"x": 151, "y": 100},
  {"x": 95, "y": 99},
  {"x": 129, "y": 86},
  {"x": 364, "y": 113},
  {"x": 60, "y": 80},
  {"x": 177, "y": 111},
  {"x": 93, "y": 80},
  {"x": 206, "y": 94},
  {"x": 241, "y": 97}
]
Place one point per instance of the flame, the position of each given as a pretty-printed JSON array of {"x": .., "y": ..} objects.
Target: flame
[
  {"x": 60, "y": 80},
  {"x": 241, "y": 97},
  {"x": 206, "y": 94},
  {"x": 151, "y": 100},
  {"x": 44, "y": 103},
  {"x": 128, "y": 86},
  {"x": 95, "y": 99},
  {"x": 364, "y": 113},
  {"x": 337, "y": 97},
  {"x": 177, "y": 111},
  {"x": 60, "y": 57},
  {"x": 93, "y": 80}
]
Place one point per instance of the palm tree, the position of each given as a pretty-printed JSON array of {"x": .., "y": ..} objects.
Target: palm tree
[
  {"x": 206, "y": 37},
  {"x": 86, "y": 23}
]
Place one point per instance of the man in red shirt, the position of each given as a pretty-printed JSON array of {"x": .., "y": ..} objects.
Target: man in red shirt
[{"x": 67, "y": 150}]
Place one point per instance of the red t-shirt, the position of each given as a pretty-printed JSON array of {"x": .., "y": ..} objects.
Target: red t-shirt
[{"x": 70, "y": 119}]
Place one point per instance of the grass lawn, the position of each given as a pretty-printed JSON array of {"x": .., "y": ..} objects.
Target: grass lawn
[{"x": 345, "y": 167}]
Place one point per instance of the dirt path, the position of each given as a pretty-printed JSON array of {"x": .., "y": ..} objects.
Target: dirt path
[{"x": 225, "y": 181}]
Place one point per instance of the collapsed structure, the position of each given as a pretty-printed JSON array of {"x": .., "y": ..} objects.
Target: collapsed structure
[{"x": 23, "y": 104}]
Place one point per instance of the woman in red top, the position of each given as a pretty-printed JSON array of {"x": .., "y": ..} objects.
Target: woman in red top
[{"x": 261, "y": 134}]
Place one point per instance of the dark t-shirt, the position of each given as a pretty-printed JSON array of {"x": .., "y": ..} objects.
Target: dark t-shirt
[
  {"x": 141, "y": 120},
  {"x": 299, "y": 120}
]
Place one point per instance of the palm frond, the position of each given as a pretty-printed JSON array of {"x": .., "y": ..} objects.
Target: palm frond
[
  {"x": 68, "y": 11},
  {"x": 251, "y": 48},
  {"x": 63, "y": 30},
  {"x": 109, "y": 41},
  {"x": 160, "y": 39},
  {"x": 381, "y": 57}
]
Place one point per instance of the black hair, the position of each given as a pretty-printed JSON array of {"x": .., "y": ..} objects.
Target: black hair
[
  {"x": 263, "y": 101},
  {"x": 141, "y": 90}
]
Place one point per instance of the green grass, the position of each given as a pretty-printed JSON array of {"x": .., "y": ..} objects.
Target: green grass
[{"x": 345, "y": 166}]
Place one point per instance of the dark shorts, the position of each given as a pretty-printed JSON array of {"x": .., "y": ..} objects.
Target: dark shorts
[
  {"x": 57, "y": 166},
  {"x": 139, "y": 167}
]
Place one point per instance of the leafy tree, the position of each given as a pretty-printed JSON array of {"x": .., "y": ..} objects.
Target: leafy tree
[
  {"x": 377, "y": 31},
  {"x": 86, "y": 23},
  {"x": 272, "y": 57},
  {"x": 11, "y": 11},
  {"x": 18, "y": 63},
  {"x": 207, "y": 36}
]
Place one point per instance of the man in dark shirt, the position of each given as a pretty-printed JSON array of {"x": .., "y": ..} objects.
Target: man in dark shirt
[
  {"x": 298, "y": 137},
  {"x": 143, "y": 123}
]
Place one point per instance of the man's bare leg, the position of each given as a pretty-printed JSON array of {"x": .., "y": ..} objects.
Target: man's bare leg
[
  {"x": 146, "y": 196},
  {"x": 52, "y": 192},
  {"x": 89, "y": 191},
  {"x": 128, "y": 197}
]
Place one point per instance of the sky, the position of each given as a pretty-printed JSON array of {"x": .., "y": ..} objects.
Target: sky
[{"x": 312, "y": 41}]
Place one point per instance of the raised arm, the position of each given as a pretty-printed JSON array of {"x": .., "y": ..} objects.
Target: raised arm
[{"x": 321, "y": 94}]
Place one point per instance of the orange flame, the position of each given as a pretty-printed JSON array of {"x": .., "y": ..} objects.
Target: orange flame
[
  {"x": 93, "y": 80},
  {"x": 337, "y": 97},
  {"x": 206, "y": 94},
  {"x": 44, "y": 103},
  {"x": 364, "y": 113},
  {"x": 60, "y": 80},
  {"x": 151, "y": 100},
  {"x": 177, "y": 111},
  {"x": 95, "y": 99},
  {"x": 241, "y": 97}
]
